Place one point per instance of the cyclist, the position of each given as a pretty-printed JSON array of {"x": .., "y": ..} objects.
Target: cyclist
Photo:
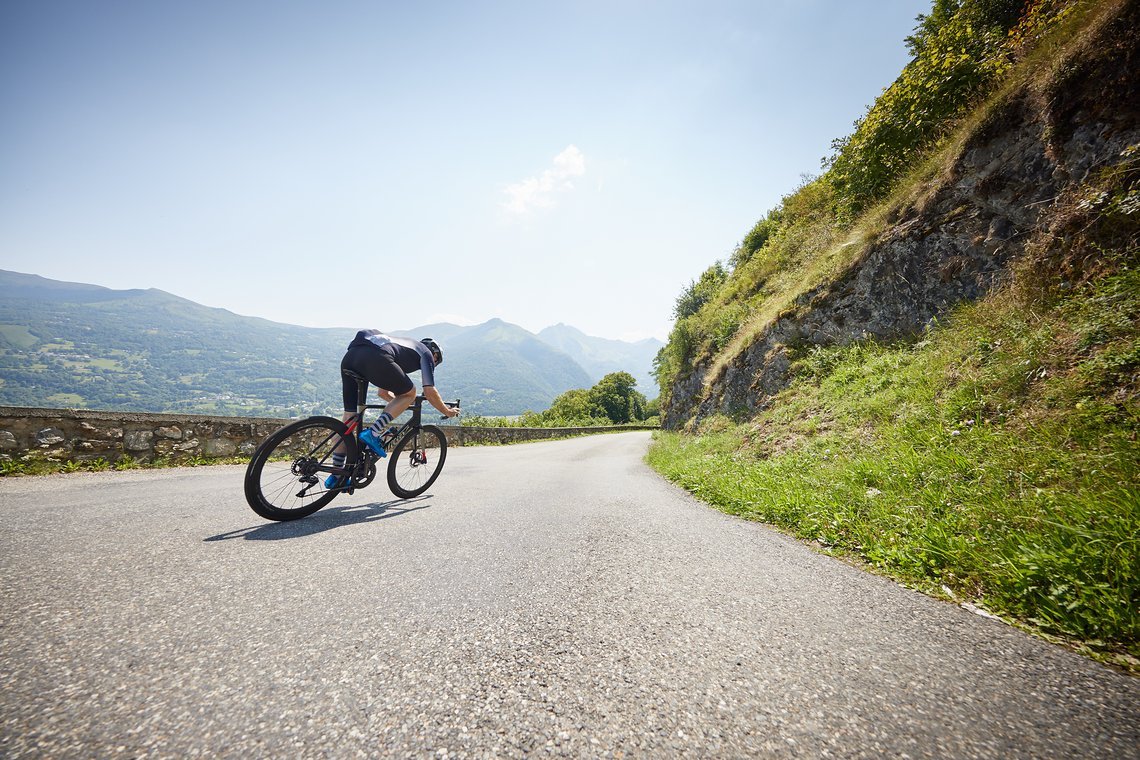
[{"x": 386, "y": 361}]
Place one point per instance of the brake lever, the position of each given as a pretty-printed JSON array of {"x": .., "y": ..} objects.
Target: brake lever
[{"x": 454, "y": 406}]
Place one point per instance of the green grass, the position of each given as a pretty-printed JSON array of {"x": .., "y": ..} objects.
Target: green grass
[
  {"x": 18, "y": 335},
  {"x": 994, "y": 462},
  {"x": 64, "y": 400},
  {"x": 32, "y": 464},
  {"x": 811, "y": 246}
]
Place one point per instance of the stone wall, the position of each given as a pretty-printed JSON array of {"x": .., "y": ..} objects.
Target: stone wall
[{"x": 80, "y": 435}]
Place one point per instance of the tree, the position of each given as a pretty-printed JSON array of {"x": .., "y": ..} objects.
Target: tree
[
  {"x": 574, "y": 405},
  {"x": 617, "y": 396},
  {"x": 613, "y": 400}
]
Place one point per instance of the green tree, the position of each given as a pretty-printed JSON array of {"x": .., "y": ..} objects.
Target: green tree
[
  {"x": 617, "y": 396},
  {"x": 575, "y": 405}
]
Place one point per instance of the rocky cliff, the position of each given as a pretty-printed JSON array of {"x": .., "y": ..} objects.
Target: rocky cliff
[{"x": 952, "y": 236}]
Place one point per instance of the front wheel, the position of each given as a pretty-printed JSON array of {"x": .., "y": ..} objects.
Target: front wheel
[
  {"x": 416, "y": 461},
  {"x": 286, "y": 477}
]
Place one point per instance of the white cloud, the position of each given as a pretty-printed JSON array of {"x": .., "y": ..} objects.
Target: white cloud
[{"x": 540, "y": 191}]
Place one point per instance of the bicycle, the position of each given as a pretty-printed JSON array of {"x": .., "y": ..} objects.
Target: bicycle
[{"x": 286, "y": 477}]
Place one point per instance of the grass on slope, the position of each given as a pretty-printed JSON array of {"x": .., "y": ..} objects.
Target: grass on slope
[
  {"x": 994, "y": 462},
  {"x": 807, "y": 245}
]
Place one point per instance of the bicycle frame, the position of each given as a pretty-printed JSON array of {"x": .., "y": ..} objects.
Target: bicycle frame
[
  {"x": 356, "y": 422},
  {"x": 300, "y": 455},
  {"x": 356, "y": 426}
]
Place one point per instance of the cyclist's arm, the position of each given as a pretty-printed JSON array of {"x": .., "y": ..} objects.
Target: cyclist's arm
[{"x": 432, "y": 395}]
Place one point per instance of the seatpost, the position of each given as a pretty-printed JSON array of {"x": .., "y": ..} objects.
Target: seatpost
[
  {"x": 361, "y": 390},
  {"x": 361, "y": 395}
]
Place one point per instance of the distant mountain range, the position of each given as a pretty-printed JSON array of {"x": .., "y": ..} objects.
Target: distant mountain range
[
  {"x": 601, "y": 356},
  {"x": 66, "y": 344}
]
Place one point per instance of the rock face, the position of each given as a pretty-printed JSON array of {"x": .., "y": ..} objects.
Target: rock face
[{"x": 956, "y": 241}]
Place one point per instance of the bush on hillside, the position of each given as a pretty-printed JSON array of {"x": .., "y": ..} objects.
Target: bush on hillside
[{"x": 959, "y": 51}]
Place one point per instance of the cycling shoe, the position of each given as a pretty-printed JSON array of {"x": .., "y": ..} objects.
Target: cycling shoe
[{"x": 369, "y": 439}]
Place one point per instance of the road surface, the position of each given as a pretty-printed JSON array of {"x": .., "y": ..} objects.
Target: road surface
[{"x": 543, "y": 599}]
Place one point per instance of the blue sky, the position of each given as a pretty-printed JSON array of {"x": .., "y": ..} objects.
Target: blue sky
[{"x": 384, "y": 164}]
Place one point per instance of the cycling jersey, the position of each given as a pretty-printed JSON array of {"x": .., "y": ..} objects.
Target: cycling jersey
[{"x": 410, "y": 355}]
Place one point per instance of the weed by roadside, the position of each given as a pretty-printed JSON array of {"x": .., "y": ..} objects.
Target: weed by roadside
[
  {"x": 993, "y": 462},
  {"x": 31, "y": 464}
]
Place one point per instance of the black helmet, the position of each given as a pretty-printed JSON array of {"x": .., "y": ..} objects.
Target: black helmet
[{"x": 432, "y": 346}]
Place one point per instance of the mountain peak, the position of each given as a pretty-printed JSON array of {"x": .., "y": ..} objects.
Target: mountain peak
[{"x": 561, "y": 329}]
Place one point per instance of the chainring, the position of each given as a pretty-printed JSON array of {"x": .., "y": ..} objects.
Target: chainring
[{"x": 365, "y": 472}]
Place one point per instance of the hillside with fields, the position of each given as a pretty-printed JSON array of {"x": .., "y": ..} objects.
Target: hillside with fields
[{"x": 73, "y": 345}]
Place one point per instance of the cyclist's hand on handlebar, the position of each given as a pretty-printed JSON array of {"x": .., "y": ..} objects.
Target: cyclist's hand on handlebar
[{"x": 452, "y": 411}]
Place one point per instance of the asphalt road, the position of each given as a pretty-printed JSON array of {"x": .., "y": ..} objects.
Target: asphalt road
[{"x": 548, "y": 598}]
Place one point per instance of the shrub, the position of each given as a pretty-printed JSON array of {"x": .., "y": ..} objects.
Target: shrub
[
  {"x": 698, "y": 293},
  {"x": 959, "y": 51}
]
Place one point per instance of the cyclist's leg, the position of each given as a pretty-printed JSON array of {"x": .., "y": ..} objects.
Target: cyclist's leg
[
  {"x": 373, "y": 437},
  {"x": 382, "y": 370},
  {"x": 349, "y": 393},
  {"x": 402, "y": 402}
]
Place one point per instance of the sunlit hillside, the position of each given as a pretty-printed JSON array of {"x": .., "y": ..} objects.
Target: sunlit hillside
[{"x": 926, "y": 358}]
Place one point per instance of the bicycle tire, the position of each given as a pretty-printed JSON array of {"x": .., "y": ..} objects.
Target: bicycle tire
[
  {"x": 296, "y": 456},
  {"x": 416, "y": 461}
]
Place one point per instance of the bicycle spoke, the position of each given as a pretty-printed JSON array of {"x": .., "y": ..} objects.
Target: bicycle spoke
[
  {"x": 416, "y": 461},
  {"x": 286, "y": 477}
]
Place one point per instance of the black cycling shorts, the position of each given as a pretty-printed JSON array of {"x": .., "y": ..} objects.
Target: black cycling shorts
[{"x": 378, "y": 366}]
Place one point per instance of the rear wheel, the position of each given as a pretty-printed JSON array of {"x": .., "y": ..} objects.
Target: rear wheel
[
  {"x": 286, "y": 477},
  {"x": 416, "y": 461}
]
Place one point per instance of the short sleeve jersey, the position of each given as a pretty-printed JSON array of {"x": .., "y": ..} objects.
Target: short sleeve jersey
[{"x": 410, "y": 355}]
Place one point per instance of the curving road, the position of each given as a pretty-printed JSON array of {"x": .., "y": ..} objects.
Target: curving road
[{"x": 548, "y": 598}]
